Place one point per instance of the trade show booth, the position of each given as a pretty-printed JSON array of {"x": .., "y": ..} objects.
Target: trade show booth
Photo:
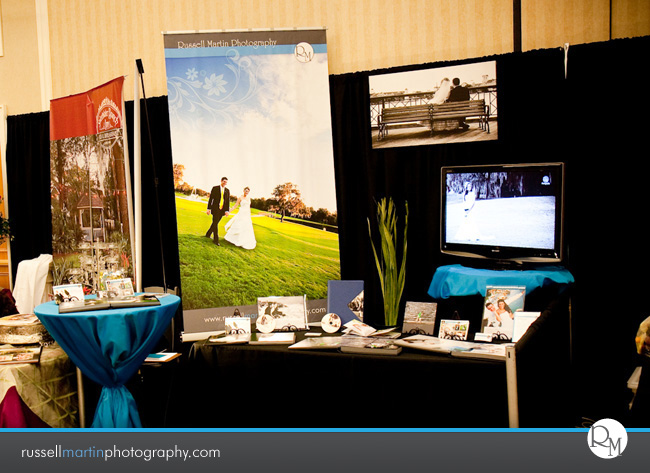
[{"x": 566, "y": 109}]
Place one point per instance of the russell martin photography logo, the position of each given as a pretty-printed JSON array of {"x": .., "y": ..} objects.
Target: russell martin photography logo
[
  {"x": 303, "y": 52},
  {"x": 607, "y": 438}
]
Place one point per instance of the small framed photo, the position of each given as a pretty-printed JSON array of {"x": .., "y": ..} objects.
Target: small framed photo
[
  {"x": 120, "y": 287},
  {"x": 453, "y": 329},
  {"x": 237, "y": 325},
  {"x": 419, "y": 318},
  {"x": 500, "y": 305},
  {"x": 289, "y": 312},
  {"x": 68, "y": 293}
]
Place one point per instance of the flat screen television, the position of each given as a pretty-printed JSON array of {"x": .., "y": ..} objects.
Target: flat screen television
[{"x": 504, "y": 213}]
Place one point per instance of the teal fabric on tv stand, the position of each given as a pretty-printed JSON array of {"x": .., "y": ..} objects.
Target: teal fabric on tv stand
[{"x": 458, "y": 280}]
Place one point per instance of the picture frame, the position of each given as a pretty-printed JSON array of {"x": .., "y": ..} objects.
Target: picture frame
[
  {"x": 120, "y": 287},
  {"x": 434, "y": 105},
  {"x": 68, "y": 293},
  {"x": 499, "y": 306},
  {"x": 419, "y": 318},
  {"x": 237, "y": 325},
  {"x": 290, "y": 312},
  {"x": 453, "y": 329}
]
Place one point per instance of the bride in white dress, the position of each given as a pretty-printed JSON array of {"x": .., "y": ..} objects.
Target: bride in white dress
[
  {"x": 239, "y": 229},
  {"x": 442, "y": 94}
]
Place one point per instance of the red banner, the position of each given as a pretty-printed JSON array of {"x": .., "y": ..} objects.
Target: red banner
[
  {"x": 91, "y": 208},
  {"x": 87, "y": 113}
]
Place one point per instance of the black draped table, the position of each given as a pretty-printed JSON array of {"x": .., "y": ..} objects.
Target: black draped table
[{"x": 273, "y": 386}]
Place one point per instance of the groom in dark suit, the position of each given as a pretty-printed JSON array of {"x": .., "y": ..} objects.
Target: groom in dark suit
[
  {"x": 459, "y": 93},
  {"x": 218, "y": 206}
]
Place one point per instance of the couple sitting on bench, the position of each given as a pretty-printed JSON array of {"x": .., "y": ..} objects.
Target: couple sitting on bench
[{"x": 448, "y": 93}]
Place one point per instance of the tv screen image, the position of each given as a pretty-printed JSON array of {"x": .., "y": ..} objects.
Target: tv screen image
[{"x": 508, "y": 212}]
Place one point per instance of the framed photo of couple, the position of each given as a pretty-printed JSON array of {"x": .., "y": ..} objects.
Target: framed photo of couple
[{"x": 434, "y": 105}]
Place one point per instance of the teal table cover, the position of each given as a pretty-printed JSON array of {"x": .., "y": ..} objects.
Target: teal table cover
[
  {"x": 109, "y": 346},
  {"x": 458, "y": 280}
]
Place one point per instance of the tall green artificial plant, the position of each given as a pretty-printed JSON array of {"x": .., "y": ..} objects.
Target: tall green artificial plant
[{"x": 391, "y": 274}]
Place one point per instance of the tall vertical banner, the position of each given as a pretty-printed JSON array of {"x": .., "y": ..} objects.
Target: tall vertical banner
[
  {"x": 90, "y": 187},
  {"x": 251, "y": 110}
]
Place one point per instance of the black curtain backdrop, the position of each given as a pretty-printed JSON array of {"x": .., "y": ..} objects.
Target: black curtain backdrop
[
  {"x": 28, "y": 186},
  {"x": 531, "y": 109},
  {"x": 156, "y": 161},
  {"x": 592, "y": 120}
]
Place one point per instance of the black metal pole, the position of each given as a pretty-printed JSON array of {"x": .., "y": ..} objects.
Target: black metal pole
[{"x": 155, "y": 175}]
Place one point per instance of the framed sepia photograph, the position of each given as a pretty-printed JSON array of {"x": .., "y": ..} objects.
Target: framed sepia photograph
[{"x": 434, "y": 105}]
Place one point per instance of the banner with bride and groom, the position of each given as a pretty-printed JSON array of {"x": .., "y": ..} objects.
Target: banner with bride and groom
[{"x": 251, "y": 110}]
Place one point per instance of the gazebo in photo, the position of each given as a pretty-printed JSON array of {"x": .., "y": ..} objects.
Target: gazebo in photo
[{"x": 91, "y": 217}]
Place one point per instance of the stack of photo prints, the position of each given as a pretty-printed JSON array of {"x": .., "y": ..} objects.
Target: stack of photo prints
[{"x": 15, "y": 355}]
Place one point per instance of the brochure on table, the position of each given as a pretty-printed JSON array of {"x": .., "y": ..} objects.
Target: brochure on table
[
  {"x": 275, "y": 338},
  {"x": 318, "y": 343},
  {"x": 356, "y": 327},
  {"x": 458, "y": 348},
  {"x": 161, "y": 357},
  {"x": 229, "y": 339},
  {"x": 369, "y": 345}
]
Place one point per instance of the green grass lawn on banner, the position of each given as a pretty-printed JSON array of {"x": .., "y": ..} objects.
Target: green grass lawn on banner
[{"x": 289, "y": 260}]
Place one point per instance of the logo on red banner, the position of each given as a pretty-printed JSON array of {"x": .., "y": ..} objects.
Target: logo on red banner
[{"x": 108, "y": 116}]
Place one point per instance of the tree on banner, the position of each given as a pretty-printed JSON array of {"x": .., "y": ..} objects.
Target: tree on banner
[
  {"x": 91, "y": 210},
  {"x": 288, "y": 201}
]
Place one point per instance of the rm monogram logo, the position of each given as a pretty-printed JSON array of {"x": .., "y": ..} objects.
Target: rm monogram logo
[{"x": 607, "y": 438}]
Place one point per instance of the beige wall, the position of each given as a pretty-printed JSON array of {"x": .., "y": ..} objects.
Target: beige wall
[
  {"x": 19, "y": 68},
  {"x": 362, "y": 34},
  {"x": 93, "y": 41}
]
